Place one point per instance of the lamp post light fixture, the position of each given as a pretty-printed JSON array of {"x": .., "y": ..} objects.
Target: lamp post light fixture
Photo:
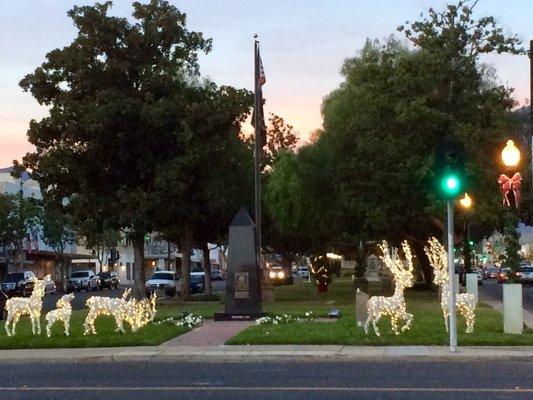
[
  {"x": 510, "y": 154},
  {"x": 466, "y": 202}
]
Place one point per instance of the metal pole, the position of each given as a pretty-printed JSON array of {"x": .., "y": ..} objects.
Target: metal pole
[
  {"x": 258, "y": 150},
  {"x": 531, "y": 101},
  {"x": 451, "y": 274}
]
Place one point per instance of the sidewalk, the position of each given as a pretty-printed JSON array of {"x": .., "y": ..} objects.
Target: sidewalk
[{"x": 272, "y": 353}]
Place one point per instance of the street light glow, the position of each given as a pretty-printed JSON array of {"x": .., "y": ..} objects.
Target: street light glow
[
  {"x": 510, "y": 154},
  {"x": 466, "y": 202}
]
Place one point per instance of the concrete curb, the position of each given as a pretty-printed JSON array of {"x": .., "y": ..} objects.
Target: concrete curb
[{"x": 267, "y": 353}]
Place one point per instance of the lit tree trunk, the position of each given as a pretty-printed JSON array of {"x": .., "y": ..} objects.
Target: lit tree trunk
[
  {"x": 186, "y": 248},
  {"x": 139, "y": 272},
  {"x": 207, "y": 268}
]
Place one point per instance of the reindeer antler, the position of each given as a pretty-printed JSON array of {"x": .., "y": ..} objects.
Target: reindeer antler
[{"x": 408, "y": 255}]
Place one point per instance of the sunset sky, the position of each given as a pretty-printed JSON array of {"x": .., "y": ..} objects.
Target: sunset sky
[{"x": 303, "y": 45}]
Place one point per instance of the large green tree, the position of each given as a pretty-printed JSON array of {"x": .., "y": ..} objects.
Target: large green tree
[
  {"x": 117, "y": 99},
  {"x": 383, "y": 123},
  {"x": 199, "y": 190}
]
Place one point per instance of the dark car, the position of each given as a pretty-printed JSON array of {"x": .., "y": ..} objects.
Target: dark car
[
  {"x": 197, "y": 282},
  {"x": 216, "y": 275},
  {"x": 3, "y": 299},
  {"x": 108, "y": 280},
  {"x": 18, "y": 284}
]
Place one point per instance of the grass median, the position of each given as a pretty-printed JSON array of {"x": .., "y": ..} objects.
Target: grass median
[
  {"x": 427, "y": 328},
  {"x": 149, "y": 335}
]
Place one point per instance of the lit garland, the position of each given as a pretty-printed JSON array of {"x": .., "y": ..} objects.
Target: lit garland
[
  {"x": 464, "y": 302},
  {"x": 135, "y": 312},
  {"x": 62, "y": 313},
  {"x": 393, "y": 306},
  {"x": 32, "y": 306}
]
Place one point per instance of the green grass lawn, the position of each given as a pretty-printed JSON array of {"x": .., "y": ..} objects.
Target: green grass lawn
[
  {"x": 427, "y": 328},
  {"x": 149, "y": 335}
]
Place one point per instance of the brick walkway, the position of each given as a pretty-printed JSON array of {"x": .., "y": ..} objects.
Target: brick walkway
[{"x": 210, "y": 333}]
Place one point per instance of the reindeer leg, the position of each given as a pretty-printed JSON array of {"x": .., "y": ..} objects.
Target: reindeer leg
[
  {"x": 14, "y": 324},
  {"x": 408, "y": 321},
  {"x": 8, "y": 321},
  {"x": 375, "y": 322}
]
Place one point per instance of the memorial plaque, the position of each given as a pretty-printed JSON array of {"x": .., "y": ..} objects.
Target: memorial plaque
[
  {"x": 242, "y": 286},
  {"x": 243, "y": 283}
]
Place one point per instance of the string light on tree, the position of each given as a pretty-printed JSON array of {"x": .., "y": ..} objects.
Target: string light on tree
[
  {"x": 465, "y": 303},
  {"x": 16, "y": 307},
  {"x": 393, "y": 306}
]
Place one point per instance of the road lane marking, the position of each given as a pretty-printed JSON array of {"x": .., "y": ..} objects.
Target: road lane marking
[{"x": 260, "y": 388}]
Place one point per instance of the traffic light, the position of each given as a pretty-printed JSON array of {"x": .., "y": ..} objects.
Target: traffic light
[{"x": 449, "y": 168}]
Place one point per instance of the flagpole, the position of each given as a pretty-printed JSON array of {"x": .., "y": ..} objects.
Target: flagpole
[{"x": 258, "y": 150}]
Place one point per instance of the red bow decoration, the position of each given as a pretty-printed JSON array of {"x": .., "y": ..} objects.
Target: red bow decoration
[{"x": 509, "y": 184}]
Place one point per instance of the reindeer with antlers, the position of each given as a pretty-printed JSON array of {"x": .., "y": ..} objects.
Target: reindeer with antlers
[
  {"x": 393, "y": 306},
  {"x": 464, "y": 302}
]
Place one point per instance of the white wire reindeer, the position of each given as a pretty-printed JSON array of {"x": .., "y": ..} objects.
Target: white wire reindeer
[
  {"x": 393, "y": 306},
  {"x": 16, "y": 307},
  {"x": 135, "y": 312},
  {"x": 464, "y": 302},
  {"x": 62, "y": 313}
]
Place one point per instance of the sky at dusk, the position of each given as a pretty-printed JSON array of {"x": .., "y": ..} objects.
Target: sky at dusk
[{"x": 303, "y": 45}]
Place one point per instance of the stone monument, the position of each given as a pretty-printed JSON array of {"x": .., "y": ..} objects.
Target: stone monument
[{"x": 243, "y": 277}]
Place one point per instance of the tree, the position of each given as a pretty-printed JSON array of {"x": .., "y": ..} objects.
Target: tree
[
  {"x": 117, "y": 97},
  {"x": 280, "y": 136},
  {"x": 19, "y": 217},
  {"x": 199, "y": 191},
  {"x": 381, "y": 128},
  {"x": 58, "y": 233}
]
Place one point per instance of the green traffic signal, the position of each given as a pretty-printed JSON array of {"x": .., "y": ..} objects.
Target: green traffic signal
[{"x": 450, "y": 186}]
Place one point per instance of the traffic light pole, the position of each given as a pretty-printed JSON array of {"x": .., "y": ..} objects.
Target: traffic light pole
[{"x": 451, "y": 273}]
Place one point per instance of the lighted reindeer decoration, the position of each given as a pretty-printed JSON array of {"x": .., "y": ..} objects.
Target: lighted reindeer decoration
[
  {"x": 464, "y": 302},
  {"x": 135, "y": 312},
  {"x": 62, "y": 313},
  {"x": 393, "y": 306},
  {"x": 32, "y": 306}
]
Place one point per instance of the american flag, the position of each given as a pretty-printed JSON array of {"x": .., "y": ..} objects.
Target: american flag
[{"x": 261, "y": 80}]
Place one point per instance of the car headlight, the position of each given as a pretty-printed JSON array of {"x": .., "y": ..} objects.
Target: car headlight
[
  {"x": 281, "y": 275},
  {"x": 272, "y": 274}
]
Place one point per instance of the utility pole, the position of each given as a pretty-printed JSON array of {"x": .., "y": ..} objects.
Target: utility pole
[
  {"x": 531, "y": 101},
  {"x": 451, "y": 273},
  {"x": 258, "y": 149}
]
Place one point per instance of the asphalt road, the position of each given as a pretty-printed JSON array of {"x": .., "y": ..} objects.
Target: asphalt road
[
  {"x": 50, "y": 300},
  {"x": 269, "y": 380},
  {"x": 494, "y": 290}
]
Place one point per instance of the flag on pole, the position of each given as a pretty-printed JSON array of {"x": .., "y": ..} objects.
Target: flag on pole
[{"x": 260, "y": 78}]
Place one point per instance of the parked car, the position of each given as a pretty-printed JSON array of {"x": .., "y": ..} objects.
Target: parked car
[
  {"x": 18, "y": 284},
  {"x": 164, "y": 280},
  {"x": 83, "y": 279},
  {"x": 303, "y": 272},
  {"x": 525, "y": 275},
  {"x": 503, "y": 275},
  {"x": 108, "y": 279},
  {"x": 216, "y": 275},
  {"x": 3, "y": 299},
  {"x": 490, "y": 273},
  {"x": 197, "y": 282},
  {"x": 50, "y": 288}
]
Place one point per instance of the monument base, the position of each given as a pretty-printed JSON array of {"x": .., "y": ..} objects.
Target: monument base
[{"x": 224, "y": 316}]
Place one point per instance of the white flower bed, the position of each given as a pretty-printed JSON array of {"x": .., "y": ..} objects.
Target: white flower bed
[
  {"x": 284, "y": 319},
  {"x": 187, "y": 320}
]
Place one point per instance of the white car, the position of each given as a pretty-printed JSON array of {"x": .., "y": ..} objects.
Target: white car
[
  {"x": 83, "y": 279},
  {"x": 163, "y": 280},
  {"x": 303, "y": 272}
]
